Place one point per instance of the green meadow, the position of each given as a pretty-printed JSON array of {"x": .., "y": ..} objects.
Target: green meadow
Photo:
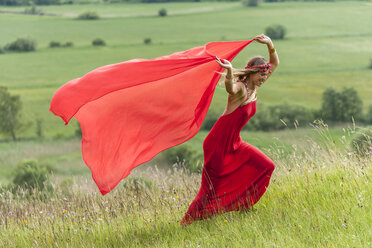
[
  {"x": 328, "y": 45},
  {"x": 319, "y": 195},
  {"x": 320, "y": 198}
]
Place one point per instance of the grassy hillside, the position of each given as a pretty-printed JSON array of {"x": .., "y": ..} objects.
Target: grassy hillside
[
  {"x": 328, "y": 44},
  {"x": 319, "y": 199}
]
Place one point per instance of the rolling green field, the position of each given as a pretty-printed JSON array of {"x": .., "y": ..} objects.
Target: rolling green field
[
  {"x": 328, "y": 44},
  {"x": 319, "y": 195}
]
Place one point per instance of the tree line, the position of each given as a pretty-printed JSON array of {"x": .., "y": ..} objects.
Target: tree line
[{"x": 337, "y": 106}]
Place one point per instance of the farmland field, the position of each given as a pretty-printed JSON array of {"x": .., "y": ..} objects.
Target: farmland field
[
  {"x": 331, "y": 50},
  {"x": 319, "y": 195}
]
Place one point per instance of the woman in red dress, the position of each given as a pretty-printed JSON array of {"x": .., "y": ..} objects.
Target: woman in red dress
[{"x": 235, "y": 174}]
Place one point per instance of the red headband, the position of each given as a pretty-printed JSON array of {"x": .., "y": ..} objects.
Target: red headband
[{"x": 263, "y": 68}]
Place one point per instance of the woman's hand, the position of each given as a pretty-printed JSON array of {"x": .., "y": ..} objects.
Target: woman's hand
[
  {"x": 263, "y": 39},
  {"x": 224, "y": 63}
]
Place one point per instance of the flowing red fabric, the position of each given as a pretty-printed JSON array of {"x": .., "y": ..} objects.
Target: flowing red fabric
[
  {"x": 235, "y": 173},
  {"x": 131, "y": 111}
]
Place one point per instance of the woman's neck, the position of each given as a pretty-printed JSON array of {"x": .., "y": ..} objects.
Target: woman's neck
[{"x": 249, "y": 85}]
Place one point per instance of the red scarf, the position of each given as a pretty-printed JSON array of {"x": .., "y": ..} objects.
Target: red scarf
[{"x": 131, "y": 111}]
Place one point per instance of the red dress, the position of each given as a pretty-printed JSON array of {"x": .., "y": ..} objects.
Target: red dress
[{"x": 235, "y": 173}]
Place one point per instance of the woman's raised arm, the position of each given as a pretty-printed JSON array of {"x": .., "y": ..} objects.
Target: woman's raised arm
[
  {"x": 231, "y": 88},
  {"x": 274, "y": 59}
]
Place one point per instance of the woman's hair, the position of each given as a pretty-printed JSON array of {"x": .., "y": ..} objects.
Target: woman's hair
[{"x": 242, "y": 74}]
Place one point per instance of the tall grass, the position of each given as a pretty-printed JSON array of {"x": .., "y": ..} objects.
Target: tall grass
[{"x": 319, "y": 196}]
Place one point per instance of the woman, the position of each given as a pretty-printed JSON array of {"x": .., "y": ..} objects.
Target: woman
[{"x": 235, "y": 174}]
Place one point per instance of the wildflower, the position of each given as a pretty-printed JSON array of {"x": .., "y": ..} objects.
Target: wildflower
[
  {"x": 177, "y": 197},
  {"x": 343, "y": 225},
  {"x": 225, "y": 221},
  {"x": 10, "y": 214},
  {"x": 75, "y": 231},
  {"x": 86, "y": 228},
  {"x": 343, "y": 137},
  {"x": 25, "y": 221},
  {"x": 64, "y": 211}
]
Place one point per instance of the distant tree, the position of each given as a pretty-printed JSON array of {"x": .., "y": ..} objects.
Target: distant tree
[
  {"x": 162, "y": 12},
  {"x": 369, "y": 115},
  {"x": 68, "y": 44},
  {"x": 78, "y": 132},
  {"x": 276, "y": 32},
  {"x": 251, "y": 3},
  {"x": 22, "y": 45},
  {"x": 10, "y": 110},
  {"x": 331, "y": 104},
  {"x": 98, "y": 42},
  {"x": 351, "y": 104},
  {"x": 341, "y": 106},
  {"x": 147, "y": 41},
  {"x": 54, "y": 44},
  {"x": 88, "y": 15}
]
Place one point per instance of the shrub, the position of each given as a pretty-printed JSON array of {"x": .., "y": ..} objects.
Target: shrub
[
  {"x": 369, "y": 115},
  {"x": 21, "y": 45},
  {"x": 147, "y": 41},
  {"x": 30, "y": 175},
  {"x": 68, "y": 44},
  {"x": 33, "y": 10},
  {"x": 10, "y": 113},
  {"x": 88, "y": 15},
  {"x": 1, "y": 49},
  {"x": 290, "y": 115},
  {"x": 54, "y": 44},
  {"x": 250, "y": 3},
  {"x": 351, "y": 104},
  {"x": 361, "y": 143},
  {"x": 186, "y": 156},
  {"x": 275, "y": 32},
  {"x": 281, "y": 116},
  {"x": 370, "y": 64},
  {"x": 210, "y": 120},
  {"x": 98, "y": 42},
  {"x": 78, "y": 132},
  {"x": 341, "y": 106},
  {"x": 162, "y": 12}
]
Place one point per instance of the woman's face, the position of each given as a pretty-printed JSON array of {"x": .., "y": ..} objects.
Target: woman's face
[{"x": 258, "y": 78}]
